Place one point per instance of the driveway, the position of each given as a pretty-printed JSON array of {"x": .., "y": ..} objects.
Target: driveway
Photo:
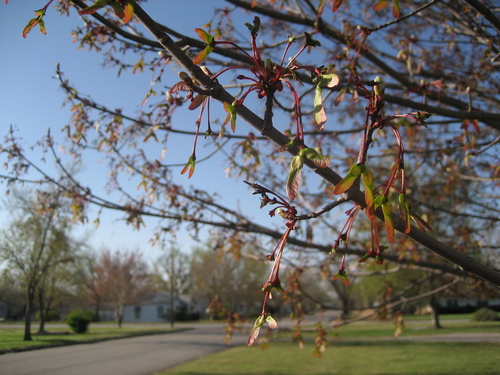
[{"x": 132, "y": 356}]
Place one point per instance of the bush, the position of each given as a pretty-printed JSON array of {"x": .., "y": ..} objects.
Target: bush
[
  {"x": 79, "y": 321},
  {"x": 485, "y": 315}
]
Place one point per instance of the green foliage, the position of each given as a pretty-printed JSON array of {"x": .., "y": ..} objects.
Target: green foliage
[
  {"x": 52, "y": 315},
  {"x": 228, "y": 273},
  {"x": 485, "y": 314},
  {"x": 79, "y": 321}
]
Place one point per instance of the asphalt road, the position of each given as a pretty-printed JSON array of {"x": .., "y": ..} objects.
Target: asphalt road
[{"x": 143, "y": 355}]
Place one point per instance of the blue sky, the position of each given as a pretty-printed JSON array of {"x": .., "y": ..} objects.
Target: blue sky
[{"x": 31, "y": 100}]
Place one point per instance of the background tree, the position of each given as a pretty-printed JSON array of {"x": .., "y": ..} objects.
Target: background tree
[
  {"x": 120, "y": 277},
  {"x": 35, "y": 243},
  {"x": 375, "y": 77},
  {"x": 12, "y": 292},
  {"x": 235, "y": 281},
  {"x": 58, "y": 289},
  {"x": 92, "y": 284},
  {"x": 171, "y": 273}
]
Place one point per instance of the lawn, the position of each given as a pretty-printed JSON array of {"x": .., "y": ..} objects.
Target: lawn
[
  {"x": 352, "y": 358},
  {"x": 415, "y": 327},
  {"x": 11, "y": 335},
  {"x": 361, "y": 348}
]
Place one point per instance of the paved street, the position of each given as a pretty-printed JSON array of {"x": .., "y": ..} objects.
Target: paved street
[{"x": 133, "y": 356}]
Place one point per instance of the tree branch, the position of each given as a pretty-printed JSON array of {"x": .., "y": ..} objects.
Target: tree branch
[{"x": 219, "y": 93}]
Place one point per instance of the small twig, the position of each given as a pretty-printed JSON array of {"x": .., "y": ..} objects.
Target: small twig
[
  {"x": 394, "y": 304},
  {"x": 342, "y": 199},
  {"x": 393, "y": 22},
  {"x": 491, "y": 144}
]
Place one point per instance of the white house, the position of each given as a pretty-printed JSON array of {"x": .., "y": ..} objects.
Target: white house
[{"x": 156, "y": 309}]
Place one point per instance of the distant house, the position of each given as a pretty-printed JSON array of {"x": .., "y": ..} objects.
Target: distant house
[
  {"x": 156, "y": 309},
  {"x": 467, "y": 305}
]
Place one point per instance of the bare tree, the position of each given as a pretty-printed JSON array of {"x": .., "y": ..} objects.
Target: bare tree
[
  {"x": 35, "y": 243},
  {"x": 171, "y": 273},
  {"x": 119, "y": 278}
]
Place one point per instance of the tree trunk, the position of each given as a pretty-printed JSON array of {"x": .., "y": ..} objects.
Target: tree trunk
[
  {"x": 434, "y": 313},
  {"x": 172, "y": 286},
  {"x": 43, "y": 313},
  {"x": 172, "y": 308},
  {"x": 97, "y": 310},
  {"x": 343, "y": 297},
  {"x": 30, "y": 300},
  {"x": 119, "y": 315}
]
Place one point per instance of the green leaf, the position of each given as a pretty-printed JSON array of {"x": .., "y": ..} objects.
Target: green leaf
[
  {"x": 319, "y": 109},
  {"x": 203, "y": 54},
  {"x": 380, "y": 4},
  {"x": 389, "y": 224},
  {"x": 380, "y": 200},
  {"x": 293, "y": 179},
  {"x": 95, "y": 7},
  {"x": 342, "y": 275},
  {"x": 206, "y": 37},
  {"x": 319, "y": 160},
  {"x": 190, "y": 165},
  {"x": 421, "y": 117},
  {"x": 117, "y": 8},
  {"x": 31, "y": 24},
  {"x": 210, "y": 40},
  {"x": 329, "y": 80},
  {"x": 367, "y": 178},
  {"x": 348, "y": 180},
  {"x": 395, "y": 9},
  {"x": 38, "y": 20},
  {"x": 321, "y": 8},
  {"x": 404, "y": 211},
  {"x": 231, "y": 114},
  {"x": 41, "y": 25},
  {"x": 311, "y": 42},
  {"x": 128, "y": 10},
  {"x": 254, "y": 28},
  {"x": 259, "y": 322},
  {"x": 379, "y": 87}
]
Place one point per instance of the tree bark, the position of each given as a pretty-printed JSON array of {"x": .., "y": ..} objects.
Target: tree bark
[
  {"x": 97, "y": 310},
  {"x": 30, "y": 301},
  {"x": 119, "y": 315},
  {"x": 433, "y": 303},
  {"x": 43, "y": 312},
  {"x": 172, "y": 286}
]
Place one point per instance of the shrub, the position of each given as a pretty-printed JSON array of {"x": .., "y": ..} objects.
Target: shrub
[
  {"x": 485, "y": 315},
  {"x": 79, "y": 321}
]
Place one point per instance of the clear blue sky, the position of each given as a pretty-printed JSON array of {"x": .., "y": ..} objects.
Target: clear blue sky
[{"x": 31, "y": 100}]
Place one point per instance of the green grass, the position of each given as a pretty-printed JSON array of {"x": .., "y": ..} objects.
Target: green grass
[
  {"x": 415, "y": 328},
  {"x": 361, "y": 348},
  {"x": 353, "y": 358},
  {"x": 11, "y": 336}
]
